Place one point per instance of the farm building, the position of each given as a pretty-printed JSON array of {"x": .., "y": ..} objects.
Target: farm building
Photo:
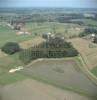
[
  {"x": 53, "y": 36},
  {"x": 47, "y": 35}
]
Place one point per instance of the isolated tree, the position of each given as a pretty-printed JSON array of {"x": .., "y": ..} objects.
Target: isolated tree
[{"x": 10, "y": 48}]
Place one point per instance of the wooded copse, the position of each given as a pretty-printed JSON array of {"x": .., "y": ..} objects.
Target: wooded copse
[
  {"x": 54, "y": 48},
  {"x": 88, "y": 31}
]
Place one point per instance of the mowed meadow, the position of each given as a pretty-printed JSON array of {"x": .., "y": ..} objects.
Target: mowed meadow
[
  {"x": 9, "y": 35},
  {"x": 34, "y": 81},
  {"x": 63, "y": 73}
]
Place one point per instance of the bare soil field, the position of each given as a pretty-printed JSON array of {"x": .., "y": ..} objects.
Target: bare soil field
[
  {"x": 34, "y": 90},
  {"x": 88, "y": 51},
  {"x": 31, "y": 43},
  {"x": 65, "y": 74}
]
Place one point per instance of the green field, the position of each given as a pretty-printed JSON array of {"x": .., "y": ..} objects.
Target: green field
[
  {"x": 54, "y": 27},
  {"x": 7, "y": 63},
  {"x": 94, "y": 71},
  {"x": 65, "y": 74},
  {"x": 9, "y": 35}
]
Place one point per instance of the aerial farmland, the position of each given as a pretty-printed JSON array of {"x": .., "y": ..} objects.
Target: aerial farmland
[{"x": 48, "y": 54}]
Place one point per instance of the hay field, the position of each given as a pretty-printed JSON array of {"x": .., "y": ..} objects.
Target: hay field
[
  {"x": 88, "y": 51},
  {"x": 34, "y": 90},
  {"x": 31, "y": 43}
]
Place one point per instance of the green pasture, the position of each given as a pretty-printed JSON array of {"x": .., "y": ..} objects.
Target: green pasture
[
  {"x": 54, "y": 27},
  {"x": 94, "y": 71},
  {"x": 7, "y": 63},
  {"x": 9, "y": 35}
]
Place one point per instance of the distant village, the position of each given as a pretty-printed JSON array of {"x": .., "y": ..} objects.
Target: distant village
[{"x": 19, "y": 28}]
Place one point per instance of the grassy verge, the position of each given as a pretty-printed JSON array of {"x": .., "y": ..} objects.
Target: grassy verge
[
  {"x": 94, "y": 71},
  {"x": 9, "y": 78},
  {"x": 7, "y": 63}
]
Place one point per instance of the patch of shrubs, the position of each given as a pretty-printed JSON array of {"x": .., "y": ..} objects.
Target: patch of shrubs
[
  {"x": 10, "y": 48},
  {"x": 88, "y": 31},
  {"x": 95, "y": 40},
  {"x": 48, "y": 49}
]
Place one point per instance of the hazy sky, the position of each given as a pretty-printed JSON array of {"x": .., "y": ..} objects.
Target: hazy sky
[{"x": 49, "y": 3}]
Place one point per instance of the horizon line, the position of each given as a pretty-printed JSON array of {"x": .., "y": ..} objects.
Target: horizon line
[{"x": 49, "y": 7}]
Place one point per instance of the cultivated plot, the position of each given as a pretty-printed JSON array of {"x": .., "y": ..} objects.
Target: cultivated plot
[
  {"x": 62, "y": 73},
  {"x": 34, "y": 90}
]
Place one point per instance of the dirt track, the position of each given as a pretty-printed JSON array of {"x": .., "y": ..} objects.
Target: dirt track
[{"x": 33, "y": 90}]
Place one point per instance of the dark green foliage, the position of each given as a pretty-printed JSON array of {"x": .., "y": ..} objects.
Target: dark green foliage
[
  {"x": 95, "y": 40},
  {"x": 17, "y": 27},
  {"x": 69, "y": 20},
  {"x": 26, "y": 55},
  {"x": 45, "y": 36},
  {"x": 54, "y": 48},
  {"x": 10, "y": 48},
  {"x": 71, "y": 52},
  {"x": 88, "y": 31}
]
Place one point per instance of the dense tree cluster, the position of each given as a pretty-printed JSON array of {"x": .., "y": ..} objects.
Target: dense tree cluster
[
  {"x": 88, "y": 31},
  {"x": 10, "y": 48},
  {"x": 54, "y": 48},
  {"x": 67, "y": 18}
]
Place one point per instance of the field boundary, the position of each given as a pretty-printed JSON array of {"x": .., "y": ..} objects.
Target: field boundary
[
  {"x": 41, "y": 59},
  {"x": 86, "y": 70},
  {"x": 84, "y": 67}
]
